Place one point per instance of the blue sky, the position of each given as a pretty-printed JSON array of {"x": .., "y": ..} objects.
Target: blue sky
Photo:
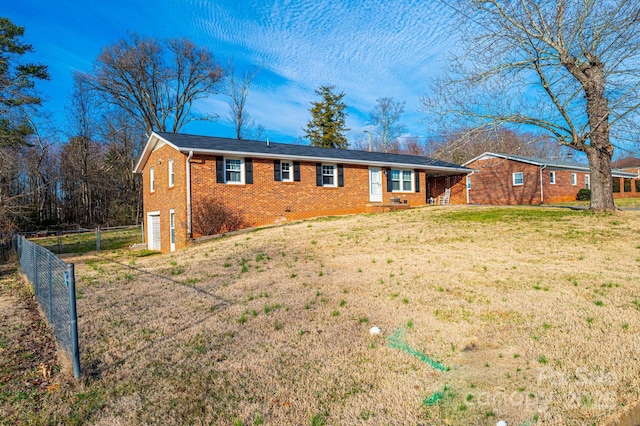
[{"x": 367, "y": 49}]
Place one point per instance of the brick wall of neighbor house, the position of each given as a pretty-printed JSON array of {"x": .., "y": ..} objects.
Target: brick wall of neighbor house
[
  {"x": 165, "y": 198},
  {"x": 562, "y": 190},
  {"x": 633, "y": 186},
  {"x": 267, "y": 201},
  {"x": 493, "y": 183}
]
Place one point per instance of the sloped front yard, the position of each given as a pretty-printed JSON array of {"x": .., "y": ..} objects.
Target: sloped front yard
[{"x": 524, "y": 314}]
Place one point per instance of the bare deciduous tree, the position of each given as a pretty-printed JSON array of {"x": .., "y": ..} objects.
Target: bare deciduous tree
[
  {"x": 155, "y": 82},
  {"x": 466, "y": 144},
  {"x": 568, "y": 68},
  {"x": 237, "y": 89},
  {"x": 385, "y": 116}
]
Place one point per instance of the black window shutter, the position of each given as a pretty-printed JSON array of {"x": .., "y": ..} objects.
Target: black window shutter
[
  {"x": 276, "y": 171},
  {"x": 296, "y": 171},
  {"x": 318, "y": 174},
  {"x": 340, "y": 175},
  {"x": 389, "y": 183},
  {"x": 248, "y": 170},
  {"x": 219, "y": 169},
  {"x": 417, "y": 174}
]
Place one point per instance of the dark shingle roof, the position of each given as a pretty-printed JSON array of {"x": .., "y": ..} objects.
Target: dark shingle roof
[
  {"x": 558, "y": 164},
  {"x": 212, "y": 145},
  {"x": 626, "y": 162}
]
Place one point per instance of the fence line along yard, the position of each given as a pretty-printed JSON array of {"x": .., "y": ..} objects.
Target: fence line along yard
[
  {"x": 85, "y": 239},
  {"x": 54, "y": 285}
]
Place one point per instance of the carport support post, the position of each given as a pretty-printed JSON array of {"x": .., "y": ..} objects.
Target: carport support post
[{"x": 73, "y": 319}]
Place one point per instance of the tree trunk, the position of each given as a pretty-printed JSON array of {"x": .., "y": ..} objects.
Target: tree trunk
[
  {"x": 601, "y": 181},
  {"x": 599, "y": 150}
]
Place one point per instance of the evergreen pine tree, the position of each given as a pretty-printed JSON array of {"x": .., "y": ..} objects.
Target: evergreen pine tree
[
  {"x": 17, "y": 82},
  {"x": 327, "y": 125}
]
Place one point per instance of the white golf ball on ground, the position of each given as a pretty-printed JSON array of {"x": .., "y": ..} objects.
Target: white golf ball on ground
[
  {"x": 374, "y": 330},
  {"x": 501, "y": 423}
]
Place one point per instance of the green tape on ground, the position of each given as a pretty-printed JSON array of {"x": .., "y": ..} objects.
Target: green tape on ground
[
  {"x": 396, "y": 340},
  {"x": 434, "y": 398}
]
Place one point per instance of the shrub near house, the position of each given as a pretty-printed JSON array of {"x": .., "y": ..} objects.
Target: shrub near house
[{"x": 254, "y": 183}]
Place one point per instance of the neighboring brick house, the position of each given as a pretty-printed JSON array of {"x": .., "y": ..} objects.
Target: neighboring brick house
[
  {"x": 271, "y": 182},
  {"x": 513, "y": 179},
  {"x": 627, "y": 188}
]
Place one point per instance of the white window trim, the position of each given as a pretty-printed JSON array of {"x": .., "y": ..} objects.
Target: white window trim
[
  {"x": 574, "y": 179},
  {"x": 335, "y": 175},
  {"x": 513, "y": 178},
  {"x": 552, "y": 178},
  {"x": 232, "y": 182},
  {"x": 587, "y": 182},
  {"x": 172, "y": 178},
  {"x": 152, "y": 180},
  {"x": 290, "y": 163},
  {"x": 402, "y": 181},
  {"x": 172, "y": 230}
]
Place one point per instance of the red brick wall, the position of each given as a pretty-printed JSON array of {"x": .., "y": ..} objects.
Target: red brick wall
[
  {"x": 633, "y": 185},
  {"x": 562, "y": 190},
  {"x": 165, "y": 198},
  {"x": 267, "y": 201},
  {"x": 493, "y": 183}
]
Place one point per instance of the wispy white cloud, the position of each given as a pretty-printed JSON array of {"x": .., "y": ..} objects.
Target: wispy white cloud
[{"x": 368, "y": 50}]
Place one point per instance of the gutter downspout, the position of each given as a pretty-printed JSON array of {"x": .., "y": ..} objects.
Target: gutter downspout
[
  {"x": 466, "y": 186},
  {"x": 542, "y": 184},
  {"x": 189, "y": 194}
]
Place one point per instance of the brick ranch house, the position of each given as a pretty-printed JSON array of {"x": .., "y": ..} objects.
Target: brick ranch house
[
  {"x": 512, "y": 179},
  {"x": 272, "y": 182},
  {"x": 627, "y": 188}
]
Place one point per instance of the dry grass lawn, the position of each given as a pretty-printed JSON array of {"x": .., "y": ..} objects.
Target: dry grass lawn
[{"x": 532, "y": 313}]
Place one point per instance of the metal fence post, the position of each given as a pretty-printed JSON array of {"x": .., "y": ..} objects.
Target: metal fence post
[
  {"x": 73, "y": 319},
  {"x": 98, "y": 238}
]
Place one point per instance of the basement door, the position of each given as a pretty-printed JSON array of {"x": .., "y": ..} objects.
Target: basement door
[
  {"x": 375, "y": 185},
  {"x": 153, "y": 222}
]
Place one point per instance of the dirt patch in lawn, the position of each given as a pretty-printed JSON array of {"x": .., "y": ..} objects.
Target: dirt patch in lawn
[{"x": 523, "y": 314}]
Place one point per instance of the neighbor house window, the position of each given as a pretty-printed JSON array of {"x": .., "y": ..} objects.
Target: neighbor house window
[
  {"x": 574, "y": 179},
  {"x": 518, "y": 179},
  {"x": 171, "y": 177},
  {"x": 552, "y": 178},
  {"x": 587, "y": 182},
  {"x": 328, "y": 175},
  {"x": 402, "y": 180},
  {"x": 152, "y": 180},
  {"x": 233, "y": 170},
  {"x": 286, "y": 170}
]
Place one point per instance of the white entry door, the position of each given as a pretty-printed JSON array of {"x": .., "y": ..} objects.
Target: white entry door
[
  {"x": 153, "y": 222},
  {"x": 375, "y": 184}
]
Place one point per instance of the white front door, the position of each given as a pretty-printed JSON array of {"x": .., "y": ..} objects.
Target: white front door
[
  {"x": 375, "y": 185},
  {"x": 153, "y": 223}
]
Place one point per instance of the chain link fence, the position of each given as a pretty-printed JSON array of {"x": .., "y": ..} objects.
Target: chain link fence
[{"x": 54, "y": 286}]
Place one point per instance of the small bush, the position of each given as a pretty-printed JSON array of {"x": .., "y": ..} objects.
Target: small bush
[
  {"x": 584, "y": 195},
  {"x": 211, "y": 217}
]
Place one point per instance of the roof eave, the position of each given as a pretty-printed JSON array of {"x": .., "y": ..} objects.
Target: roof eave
[{"x": 324, "y": 159}]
